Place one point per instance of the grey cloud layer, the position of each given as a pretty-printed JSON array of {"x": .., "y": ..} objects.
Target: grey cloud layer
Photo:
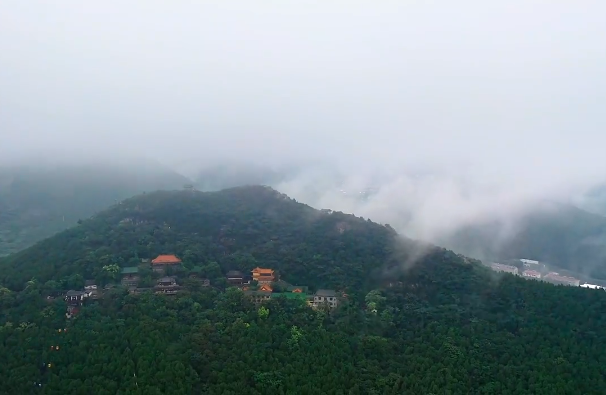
[{"x": 508, "y": 94}]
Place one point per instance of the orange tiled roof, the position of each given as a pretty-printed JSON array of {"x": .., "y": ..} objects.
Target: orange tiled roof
[
  {"x": 297, "y": 290},
  {"x": 265, "y": 288},
  {"x": 166, "y": 259},
  {"x": 262, "y": 271}
]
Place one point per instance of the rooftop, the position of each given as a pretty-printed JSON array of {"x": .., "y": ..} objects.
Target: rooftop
[
  {"x": 260, "y": 270},
  {"x": 289, "y": 295},
  {"x": 166, "y": 279},
  {"x": 166, "y": 260},
  {"x": 297, "y": 289},
  {"x": 130, "y": 270},
  {"x": 234, "y": 273},
  {"x": 326, "y": 292},
  {"x": 74, "y": 293},
  {"x": 265, "y": 288}
]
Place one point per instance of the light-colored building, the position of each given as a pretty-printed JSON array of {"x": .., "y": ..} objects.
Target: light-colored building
[
  {"x": 498, "y": 267},
  {"x": 258, "y": 297},
  {"x": 325, "y": 297},
  {"x": 529, "y": 262},
  {"x": 531, "y": 274},
  {"x": 591, "y": 286}
]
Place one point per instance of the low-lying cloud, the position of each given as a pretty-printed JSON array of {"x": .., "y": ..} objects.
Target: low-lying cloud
[
  {"x": 432, "y": 206},
  {"x": 457, "y": 113}
]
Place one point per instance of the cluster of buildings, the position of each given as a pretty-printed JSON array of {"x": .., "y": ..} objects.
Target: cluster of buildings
[
  {"x": 164, "y": 285},
  {"x": 130, "y": 279},
  {"x": 269, "y": 286},
  {"x": 261, "y": 285},
  {"x": 532, "y": 270}
]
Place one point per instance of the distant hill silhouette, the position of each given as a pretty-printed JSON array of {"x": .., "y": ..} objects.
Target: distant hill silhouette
[
  {"x": 38, "y": 201},
  {"x": 559, "y": 234}
]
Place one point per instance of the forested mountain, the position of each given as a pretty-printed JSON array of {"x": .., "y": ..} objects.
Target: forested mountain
[
  {"x": 37, "y": 201},
  {"x": 417, "y": 319},
  {"x": 562, "y": 235}
]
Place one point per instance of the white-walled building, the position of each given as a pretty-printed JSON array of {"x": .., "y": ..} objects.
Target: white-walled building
[
  {"x": 531, "y": 274},
  {"x": 591, "y": 286},
  {"x": 499, "y": 267}
]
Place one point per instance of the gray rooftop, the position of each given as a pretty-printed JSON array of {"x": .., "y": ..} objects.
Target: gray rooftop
[
  {"x": 166, "y": 279},
  {"x": 326, "y": 292}
]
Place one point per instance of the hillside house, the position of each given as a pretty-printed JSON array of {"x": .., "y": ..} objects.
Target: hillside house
[
  {"x": 498, "y": 267},
  {"x": 325, "y": 297},
  {"x": 162, "y": 262},
  {"x": 130, "y": 276},
  {"x": 258, "y": 297},
  {"x": 531, "y": 274},
  {"x": 263, "y": 276},
  {"x": 90, "y": 285},
  {"x": 75, "y": 298},
  {"x": 167, "y": 285},
  {"x": 290, "y": 291},
  {"x": 529, "y": 263},
  {"x": 235, "y": 277}
]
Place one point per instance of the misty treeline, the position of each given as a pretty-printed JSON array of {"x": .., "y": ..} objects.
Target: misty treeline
[
  {"x": 560, "y": 235},
  {"x": 37, "y": 201},
  {"x": 445, "y": 325}
]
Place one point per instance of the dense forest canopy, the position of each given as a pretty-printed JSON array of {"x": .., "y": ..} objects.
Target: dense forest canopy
[
  {"x": 417, "y": 319},
  {"x": 37, "y": 201}
]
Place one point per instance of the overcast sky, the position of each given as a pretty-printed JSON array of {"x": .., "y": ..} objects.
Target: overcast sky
[{"x": 508, "y": 91}]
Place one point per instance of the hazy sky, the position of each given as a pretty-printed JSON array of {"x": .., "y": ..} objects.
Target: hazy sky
[{"x": 507, "y": 92}]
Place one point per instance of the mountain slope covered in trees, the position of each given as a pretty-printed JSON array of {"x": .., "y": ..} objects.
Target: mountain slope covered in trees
[
  {"x": 38, "y": 201},
  {"x": 418, "y": 319}
]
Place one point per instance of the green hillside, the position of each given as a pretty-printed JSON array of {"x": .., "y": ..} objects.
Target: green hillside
[
  {"x": 561, "y": 235},
  {"x": 417, "y": 319},
  {"x": 38, "y": 201}
]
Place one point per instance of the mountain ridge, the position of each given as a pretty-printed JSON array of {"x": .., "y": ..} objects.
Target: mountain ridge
[
  {"x": 416, "y": 317},
  {"x": 209, "y": 217}
]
